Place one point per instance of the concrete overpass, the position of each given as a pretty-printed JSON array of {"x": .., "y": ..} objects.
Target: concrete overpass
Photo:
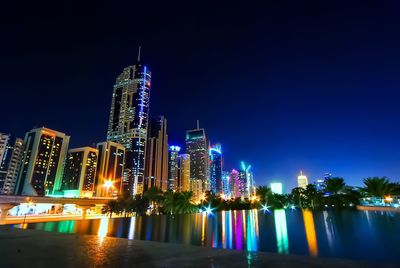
[{"x": 7, "y": 202}]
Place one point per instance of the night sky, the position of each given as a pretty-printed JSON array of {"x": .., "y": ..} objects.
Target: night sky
[{"x": 283, "y": 86}]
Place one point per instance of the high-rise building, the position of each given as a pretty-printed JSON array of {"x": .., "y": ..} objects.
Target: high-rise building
[
  {"x": 4, "y": 141},
  {"x": 156, "y": 166},
  {"x": 173, "y": 170},
  {"x": 226, "y": 185},
  {"x": 129, "y": 119},
  {"x": 246, "y": 181},
  {"x": 302, "y": 180},
  {"x": 196, "y": 147},
  {"x": 110, "y": 168},
  {"x": 184, "y": 173},
  {"x": 80, "y": 173},
  {"x": 215, "y": 155},
  {"x": 197, "y": 189},
  {"x": 11, "y": 151},
  {"x": 277, "y": 188},
  {"x": 234, "y": 183},
  {"x": 42, "y": 164},
  {"x": 319, "y": 184}
]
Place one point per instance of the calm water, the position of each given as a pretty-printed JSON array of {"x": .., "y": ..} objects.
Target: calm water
[{"x": 344, "y": 234}]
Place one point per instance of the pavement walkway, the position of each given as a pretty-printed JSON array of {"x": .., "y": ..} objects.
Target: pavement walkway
[{"x": 33, "y": 248}]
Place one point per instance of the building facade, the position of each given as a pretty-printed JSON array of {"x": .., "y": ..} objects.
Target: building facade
[
  {"x": 302, "y": 180},
  {"x": 246, "y": 181},
  {"x": 110, "y": 169},
  {"x": 226, "y": 185},
  {"x": 184, "y": 173},
  {"x": 197, "y": 148},
  {"x": 215, "y": 164},
  {"x": 128, "y": 122},
  {"x": 156, "y": 165},
  {"x": 234, "y": 183},
  {"x": 173, "y": 168},
  {"x": 42, "y": 164},
  {"x": 80, "y": 173},
  {"x": 11, "y": 151}
]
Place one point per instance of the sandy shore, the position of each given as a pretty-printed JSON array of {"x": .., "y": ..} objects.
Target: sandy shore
[{"x": 31, "y": 248}]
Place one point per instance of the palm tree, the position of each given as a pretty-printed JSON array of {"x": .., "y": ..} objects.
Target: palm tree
[
  {"x": 312, "y": 195},
  {"x": 263, "y": 192},
  {"x": 171, "y": 202},
  {"x": 112, "y": 206},
  {"x": 297, "y": 196},
  {"x": 378, "y": 187},
  {"x": 155, "y": 196},
  {"x": 185, "y": 204},
  {"x": 334, "y": 185}
]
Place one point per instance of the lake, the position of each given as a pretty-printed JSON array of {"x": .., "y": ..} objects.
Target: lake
[{"x": 351, "y": 234}]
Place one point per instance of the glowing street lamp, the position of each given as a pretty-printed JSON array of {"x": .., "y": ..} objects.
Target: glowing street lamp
[
  {"x": 388, "y": 199},
  {"x": 108, "y": 184}
]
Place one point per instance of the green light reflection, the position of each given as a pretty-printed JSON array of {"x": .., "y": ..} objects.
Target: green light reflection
[{"x": 282, "y": 240}]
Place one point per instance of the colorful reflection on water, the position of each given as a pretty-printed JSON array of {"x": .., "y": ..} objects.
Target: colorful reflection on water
[{"x": 345, "y": 234}]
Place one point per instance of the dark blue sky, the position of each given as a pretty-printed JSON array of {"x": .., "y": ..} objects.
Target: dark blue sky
[{"x": 284, "y": 85}]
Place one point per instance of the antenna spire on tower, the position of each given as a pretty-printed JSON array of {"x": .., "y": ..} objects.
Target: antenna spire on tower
[
  {"x": 198, "y": 124},
  {"x": 138, "y": 56}
]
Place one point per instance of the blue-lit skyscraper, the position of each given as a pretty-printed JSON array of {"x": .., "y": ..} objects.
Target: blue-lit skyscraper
[
  {"x": 226, "y": 184},
  {"x": 215, "y": 155},
  {"x": 128, "y": 121},
  {"x": 246, "y": 180}
]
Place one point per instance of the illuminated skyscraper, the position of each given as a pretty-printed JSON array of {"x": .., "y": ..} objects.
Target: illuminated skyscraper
[
  {"x": 246, "y": 180},
  {"x": 197, "y": 148},
  {"x": 184, "y": 173},
  {"x": 277, "y": 188},
  {"x": 110, "y": 167},
  {"x": 156, "y": 167},
  {"x": 226, "y": 186},
  {"x": 12, "y": 151},
  {"x": 215, "y": 155},
  {"x": 80, "y": 172},
  {"x": 234, "y": 183},
  {"x": 129, "y": 119},
  {"x": 42, "y": 163},
  {"x": 4, "y": 141},
  {"x": 302, "y": 180},
  {"x": 173, "y": 170}
]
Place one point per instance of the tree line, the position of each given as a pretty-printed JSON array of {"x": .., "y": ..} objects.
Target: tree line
[{"x": 334, "y": 194}]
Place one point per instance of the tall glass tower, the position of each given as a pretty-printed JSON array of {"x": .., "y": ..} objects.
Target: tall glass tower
[
  {"x": 156, "y": 166},
  {"x": 216, "y": 169},
  {"x": 128, "y": 121},
  {"x": 196, "y": 147}
]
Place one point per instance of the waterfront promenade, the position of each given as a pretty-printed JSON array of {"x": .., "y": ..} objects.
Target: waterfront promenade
[{"x": 32, "y": 248}]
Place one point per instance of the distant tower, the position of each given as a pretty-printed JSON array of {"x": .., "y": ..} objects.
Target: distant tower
[
  {"x": 11, "y": 153},
  {"x": 246, "y": 180},
  {"x": 197, "y": 148},
  {"x": 80, "y": 172},
  {"x": 173, "y": 171},
  {"x": 128, "y": 121},
  {"x": 42, "y": 164},
  {"x": 302, "y": 180},
  {"x": 226, "y": 186},
  {"x": 184, "y": 173},
  {"x": 215, "y": 155},
  {"x": 234, "y": 183},
  {"x": 156, "y": 167}
]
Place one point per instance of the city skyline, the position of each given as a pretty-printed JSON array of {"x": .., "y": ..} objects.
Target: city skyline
[{"x": 328, "y": 110}]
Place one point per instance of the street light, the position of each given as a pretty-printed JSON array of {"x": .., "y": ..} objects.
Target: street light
[{"x": 108, "y": 184}]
